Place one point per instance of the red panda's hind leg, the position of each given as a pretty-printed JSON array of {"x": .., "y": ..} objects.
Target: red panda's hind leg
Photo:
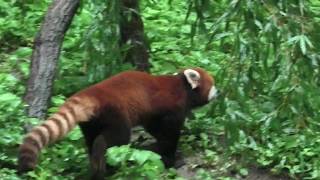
[
  {"x": 97, "y": 159},
  {"x": 112, "y": 136},
  {"x": 98, "y": 138}
]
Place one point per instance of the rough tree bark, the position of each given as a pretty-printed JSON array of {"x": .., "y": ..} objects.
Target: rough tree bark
[
  {"x": 132, "y": 32},
  {"x": 47, "y": 45}
]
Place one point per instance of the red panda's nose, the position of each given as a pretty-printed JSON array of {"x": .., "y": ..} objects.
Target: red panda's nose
[{"x": 213, "y": 93}]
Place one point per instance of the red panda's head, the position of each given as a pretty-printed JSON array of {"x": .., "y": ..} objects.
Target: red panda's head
[{"x": 202, "y": 86}]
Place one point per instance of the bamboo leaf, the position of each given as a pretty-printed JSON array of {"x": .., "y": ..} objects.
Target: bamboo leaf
[{"x": 302, "y": 44}]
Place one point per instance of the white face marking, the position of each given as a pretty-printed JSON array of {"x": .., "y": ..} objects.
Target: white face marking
[{"x": 213, "y": 93}]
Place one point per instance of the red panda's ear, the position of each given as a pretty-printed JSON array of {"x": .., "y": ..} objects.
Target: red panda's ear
[{"x": 193, "y": 77}]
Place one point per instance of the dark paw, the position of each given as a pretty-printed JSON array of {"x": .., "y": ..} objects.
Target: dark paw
[
  {"x": 168, "y": 161},
  {"x": 110, "y": 170}
]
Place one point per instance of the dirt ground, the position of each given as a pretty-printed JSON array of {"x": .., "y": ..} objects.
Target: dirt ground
[
  {"x": 262, "y": 174},
  {"x": 189, "y": 173},
  {"x": 253, "y": 173}
]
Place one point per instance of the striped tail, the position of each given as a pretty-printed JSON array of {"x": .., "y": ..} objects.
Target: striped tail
[{"x": 73, "y": 111}]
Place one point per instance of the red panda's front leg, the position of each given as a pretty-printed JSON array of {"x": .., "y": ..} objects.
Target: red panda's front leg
[{"x": 167, "y": 132}]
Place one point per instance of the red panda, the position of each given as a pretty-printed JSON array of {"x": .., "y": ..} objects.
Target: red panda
[{"x": 107, "y": 111}]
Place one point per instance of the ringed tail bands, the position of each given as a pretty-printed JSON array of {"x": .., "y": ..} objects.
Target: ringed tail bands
[{"x": 73, "y": 111}]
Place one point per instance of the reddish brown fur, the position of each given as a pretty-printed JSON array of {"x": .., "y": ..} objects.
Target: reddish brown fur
[{"x": 107, "y": 111}]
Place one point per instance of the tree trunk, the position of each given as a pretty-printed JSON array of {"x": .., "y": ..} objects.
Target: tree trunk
[
  {"x": 132, "y": 33},
  {"x": 47, "y": 45}
]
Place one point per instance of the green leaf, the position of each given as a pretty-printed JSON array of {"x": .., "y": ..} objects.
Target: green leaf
[
  {"x": 303, "y": 44},
  {"x": 294, "y": 39},
  {"x": 243, "y": 172},
  {"x": 23, "y": 52},
  {"x": 140, "y": 156}
]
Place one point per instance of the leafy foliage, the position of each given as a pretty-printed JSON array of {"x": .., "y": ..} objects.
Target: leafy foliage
[
  {"x": 135, "y": 164},
  {"x": 264, "y": 55},
  {"x": 270, "y": 79}
]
